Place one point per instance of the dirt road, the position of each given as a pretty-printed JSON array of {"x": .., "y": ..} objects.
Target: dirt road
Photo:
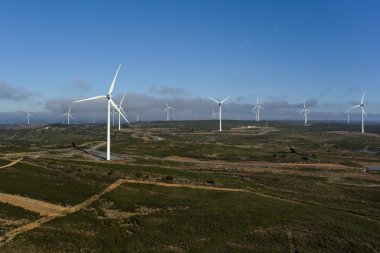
[
  {"x": 11, "y": 164},
  {"x": 50, "y": 211}
]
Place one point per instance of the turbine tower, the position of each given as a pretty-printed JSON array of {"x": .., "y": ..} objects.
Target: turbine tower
[
  {"x": 348, "y": 116},
  {"x": 28, "y": 115},
  {"x": 305, "y": 111},
  {"x": 122, "y": 110},
  {"x": 220, "y": 110},
  {"x": 68, "y": 114},
  {"x": 110, "y": 103},
  {"x": 256, "y": 110},
  {"x": 167, "y": 110},
  {"x": 361, "y": 105}
]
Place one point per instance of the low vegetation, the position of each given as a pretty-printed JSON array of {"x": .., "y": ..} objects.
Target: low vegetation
[{"x": 275, "y": 187}]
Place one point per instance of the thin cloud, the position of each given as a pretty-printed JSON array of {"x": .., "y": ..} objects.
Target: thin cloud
[
  {"x": 11, "y": 92},
  {"x": 168, "y": 91},
  {"x": 81, "y": 85}
]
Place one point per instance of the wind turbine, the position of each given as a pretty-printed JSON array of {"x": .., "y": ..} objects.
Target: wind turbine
[
  {"x": 220, "y": 110},
  {"x": 167, "y": 110},
  {"x": 361, "y": 105},
  {"x": 256, "y": 109},
  {"x": 110, "y": 103},
  {"x": 113, "y": 116},
  {"x": 213, "y": 115},
  {"x": 28, "y": 115},
  {"x": 68, "y": 114},
  {"x": 122, "y": 110},
  {"x": 348, "y": 115},
  {"x": 305, "y": 111}
]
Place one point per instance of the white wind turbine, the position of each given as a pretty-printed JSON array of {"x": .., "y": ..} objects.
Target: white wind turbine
[
  {"x": 220, "y": 110},
  {"x": 361, "y": 105},
  {"x": 110, "y": 103},
  {"x": 113, "y": 116},
  {"x": 213, "y": 115},
  {"x": 305, "y": 111},
  {"x": 68, "y": 114},
  {"x": 28, "y": 115},
  {"x": 348, "y": 115},
  {"x": 122, "y": 110},
  {"x": 256, "y": 110},
  {"x": 167, "y": 110}
]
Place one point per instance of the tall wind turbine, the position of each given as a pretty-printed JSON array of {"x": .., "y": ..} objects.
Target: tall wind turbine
[
  {"x": 110, "y": 103},
  {"x": 68, "y": 114},
  {"x": 361, "y": 105},
  {"x": 122, "y": 110},
  {"x": 256, "y": 109},
  {"x": 220, "y": 110},
  {"x": 348, "y": 115},
  {"x": 167, "y": 110},
  {"x": 28, "y": 115},
  {"x": 305, "y": 112}
]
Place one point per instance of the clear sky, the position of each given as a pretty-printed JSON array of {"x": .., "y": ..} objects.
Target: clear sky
[{"x": 327, "y": 52}]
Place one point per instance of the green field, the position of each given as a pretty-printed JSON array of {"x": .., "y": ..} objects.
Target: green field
[{"x": 242, "y": 190}]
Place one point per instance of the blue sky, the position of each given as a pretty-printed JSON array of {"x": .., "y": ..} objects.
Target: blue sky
[{"x": 325, "y": 51}]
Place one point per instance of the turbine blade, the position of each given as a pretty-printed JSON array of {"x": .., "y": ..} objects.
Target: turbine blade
[
  {"x": 126, "y": 118},
  {"x": 88, "y": 99},
  {"x": 165, "y": 110},
  {"x": 117, "y": 109},
  {"x": 216, "y": 101},
  {"x": 355, "y": 106},
  {"x": 364, "y": 113},
  {"x": 122, "y": 100},
  {"x": 362, "y": 98},
  {"x": 225, "y": 99},
  {"x": 114, "y": 80}
]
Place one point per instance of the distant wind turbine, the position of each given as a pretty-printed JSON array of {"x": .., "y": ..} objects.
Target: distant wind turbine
[
  {"x": 28, "y": 115},
  {"x": 220, "y": 110},
  {"x": 348, "y": 115},
  {"x": 167, "y": 110},
  {"x": 305, "y": 111},
  {"x": 122, "y": 110},
  {"x": 256, "y": 110},
  {"x": 213, "y": 115},
  {"x": 361, "y": 105},
  {"x": 110, "y": 103},
  {"x": 68, "y": 114},
  {"x": 113, "y": 116}
]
